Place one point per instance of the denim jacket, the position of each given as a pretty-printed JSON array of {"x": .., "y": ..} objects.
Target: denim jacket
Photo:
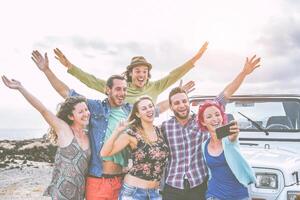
[{"x": 99, "y": 114}]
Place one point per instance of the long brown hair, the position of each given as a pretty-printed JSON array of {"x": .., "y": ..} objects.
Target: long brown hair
[
  {"x": 136, "y": 126},
  {"x": 65, "y": 109}
]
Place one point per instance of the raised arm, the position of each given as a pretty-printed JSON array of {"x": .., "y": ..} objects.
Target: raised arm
[
  {"x": 179, "y": 72},
  {"x": 249, "y": 67},
  {"x": 86, "y": 78},
  {"x": 58, "y": 124},
  {"x": 43, "y": 64},
  {"x": 199, "y": 53},
  {"x": 117, "y": 141}
]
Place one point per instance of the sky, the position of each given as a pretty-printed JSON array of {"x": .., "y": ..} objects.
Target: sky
[{"x": 101, "y": 37}]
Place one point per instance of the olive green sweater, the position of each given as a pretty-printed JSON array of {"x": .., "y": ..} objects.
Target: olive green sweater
[{"x": 151, "y": 88}]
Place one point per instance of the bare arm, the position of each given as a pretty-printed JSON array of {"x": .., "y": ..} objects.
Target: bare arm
[
  {"x": 43, "y": 64},
  {"x": 58, "y": 124},
  {"x": 249, "y": 67},
  {"x": 117, "y": 141}
]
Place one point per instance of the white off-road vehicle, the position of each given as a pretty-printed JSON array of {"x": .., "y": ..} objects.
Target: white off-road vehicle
[{"x": 269, "y": 139}]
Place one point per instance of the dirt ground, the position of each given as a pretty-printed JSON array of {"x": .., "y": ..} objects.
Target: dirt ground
[{"x": 26, "y": 182}]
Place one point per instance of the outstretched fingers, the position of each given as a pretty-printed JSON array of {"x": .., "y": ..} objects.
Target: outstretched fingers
[
  {"x": 13, "y": 84},
  {"x": 251, "y": 64},
  {"x": 5, "y": 80},
  {"x": 58, "y": 54},
  {"x": 189, "y": 87}
]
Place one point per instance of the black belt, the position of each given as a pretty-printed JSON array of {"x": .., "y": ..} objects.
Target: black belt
[{"x": 107, "y": 176}]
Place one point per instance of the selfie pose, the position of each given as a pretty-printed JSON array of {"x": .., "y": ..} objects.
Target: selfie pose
[
  {"x": 68, "y": 131},
  {"x": 186, "y": 174},
  {"x": 229, "y": 172},
  {"x": 149, "y": 152}
]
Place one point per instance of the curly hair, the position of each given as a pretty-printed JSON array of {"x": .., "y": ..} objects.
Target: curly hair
[
  {"x": 65, "y": 109},
  {"x": 128, "y": 77}
]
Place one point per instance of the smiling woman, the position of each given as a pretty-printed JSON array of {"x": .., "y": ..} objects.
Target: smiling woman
[
  {"x": 67, "y": 130},
  {"x": 149, "y": 152}
]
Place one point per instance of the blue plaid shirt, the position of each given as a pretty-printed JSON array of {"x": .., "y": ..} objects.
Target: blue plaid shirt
[{"x": 185, "y": 142}]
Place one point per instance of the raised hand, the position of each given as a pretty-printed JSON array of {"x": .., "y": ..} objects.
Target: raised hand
[
  {"x": 234, "y": 129},
  {"x": 12, "y": 84},
  {"x": 40, "y": 61},
  {"x": 123, "y": 125},
  {"x": 199, "y": 53},
  {"x": 251, "y": 64},
  {"x": 187, "y": 87},
  {"x": 62, "y": 58}
]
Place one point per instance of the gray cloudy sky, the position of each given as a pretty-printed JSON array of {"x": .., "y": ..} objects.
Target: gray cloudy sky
[{"x": 102, "y": 36}]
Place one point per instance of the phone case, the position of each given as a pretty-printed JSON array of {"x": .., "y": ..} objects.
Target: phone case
[{"x": 223, "y": 131}]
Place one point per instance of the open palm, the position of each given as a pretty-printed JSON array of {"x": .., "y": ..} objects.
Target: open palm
[
  {"x": 12, "y": 84},
  {"x": 251, "y": 64},
  {"x": 40, "y": 61},
  {"x": 62, "y": 58},
  {"x": 200, "y": 52}
]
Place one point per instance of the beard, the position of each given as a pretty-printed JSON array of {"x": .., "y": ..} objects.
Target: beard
[
  {"x": 115, "y": 101},
  {"x": 180, "y": 116}
]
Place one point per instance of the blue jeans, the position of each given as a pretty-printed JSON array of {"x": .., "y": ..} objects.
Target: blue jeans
[
  {"x": 129, "y": 192},
  {"x": 214, "y": 198}
]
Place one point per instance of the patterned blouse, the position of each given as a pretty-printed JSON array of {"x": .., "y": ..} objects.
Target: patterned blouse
[
  {"x": 149, "y": 160},
  {"x": 68, "y": 177}
]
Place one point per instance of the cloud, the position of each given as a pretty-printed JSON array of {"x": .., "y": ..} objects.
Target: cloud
[
  {"x": 281, "y": 37},
  {"x": 280, "y": 44}
]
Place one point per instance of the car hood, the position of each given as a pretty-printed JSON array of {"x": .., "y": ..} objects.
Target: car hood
[{"x": 286, "y": 161}]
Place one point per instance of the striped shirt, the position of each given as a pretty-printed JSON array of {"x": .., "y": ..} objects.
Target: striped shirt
[{"x": 186, "y": 160}]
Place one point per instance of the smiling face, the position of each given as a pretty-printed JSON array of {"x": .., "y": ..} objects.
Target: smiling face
[
  {"x": 139, "y": 75},
  {"x": 212, "y": 118},
  {"x": 117, "y": 93},
  {"x": 146, "y": 110},
  {"x": 180, "y": 105},
  {"x": 80, "y": 115}
]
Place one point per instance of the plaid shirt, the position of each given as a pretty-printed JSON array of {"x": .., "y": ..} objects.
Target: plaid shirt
[{"x": 186, "y": 160}]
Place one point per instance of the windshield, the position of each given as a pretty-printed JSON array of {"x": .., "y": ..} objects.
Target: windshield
[{"x": 276, "y": 115}]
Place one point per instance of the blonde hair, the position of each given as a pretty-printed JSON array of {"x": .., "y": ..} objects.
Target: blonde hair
[{"x": 136, "y": 126}]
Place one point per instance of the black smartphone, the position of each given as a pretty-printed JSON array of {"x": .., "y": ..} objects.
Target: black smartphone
[{"x": 223, "y": 131}]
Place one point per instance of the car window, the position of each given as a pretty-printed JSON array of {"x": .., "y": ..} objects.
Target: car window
[{"x": 272, "y": 115}]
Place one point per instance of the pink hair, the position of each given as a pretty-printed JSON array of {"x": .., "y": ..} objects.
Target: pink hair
[{"x": 204, "y": 106}]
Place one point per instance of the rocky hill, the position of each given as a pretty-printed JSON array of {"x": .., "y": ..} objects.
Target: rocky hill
[
  {"x": 19, "y": 153},
  {"x": 25, "y": 168}
]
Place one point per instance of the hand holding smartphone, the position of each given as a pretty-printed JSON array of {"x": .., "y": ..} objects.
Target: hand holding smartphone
[{"x": 224, "y": 130}]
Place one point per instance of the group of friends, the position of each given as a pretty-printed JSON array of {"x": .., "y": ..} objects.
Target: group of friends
[{"x": 110, "y": 149}]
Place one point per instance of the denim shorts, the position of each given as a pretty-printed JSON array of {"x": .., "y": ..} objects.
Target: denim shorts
[{"x": 129, "y": 192}]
